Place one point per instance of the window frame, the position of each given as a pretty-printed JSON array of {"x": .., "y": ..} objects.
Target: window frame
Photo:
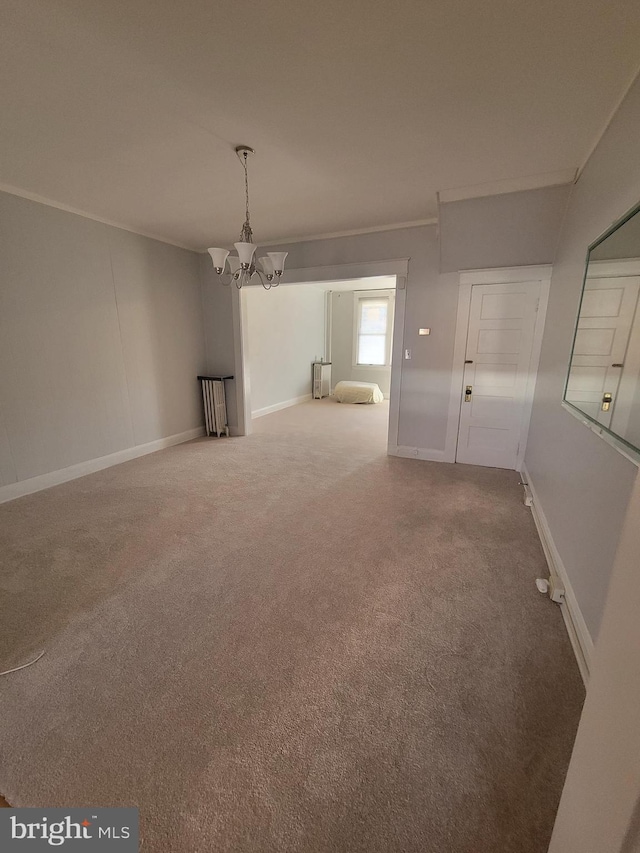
[{"x": 360, "y": 296}]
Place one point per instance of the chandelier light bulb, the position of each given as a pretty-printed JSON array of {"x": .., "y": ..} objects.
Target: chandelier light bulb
[
  {"x": 219, "y": 258},
  {"x": 267, "y": 265},
  {"x": 245, "y": 253},
  {"x": 277, "y": 259}
]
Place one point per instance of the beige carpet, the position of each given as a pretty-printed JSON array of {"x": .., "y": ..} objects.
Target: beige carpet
[{"x": 289, "y": 642}]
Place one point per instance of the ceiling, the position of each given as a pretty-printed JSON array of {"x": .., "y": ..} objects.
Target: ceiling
[{"x": 359, "y": 112}]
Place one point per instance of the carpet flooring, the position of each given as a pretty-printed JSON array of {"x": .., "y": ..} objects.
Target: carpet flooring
[{"x": 288, "y": 642}]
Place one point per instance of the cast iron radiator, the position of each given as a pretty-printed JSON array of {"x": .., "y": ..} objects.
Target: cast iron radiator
[{"x": 215, "y": 404}]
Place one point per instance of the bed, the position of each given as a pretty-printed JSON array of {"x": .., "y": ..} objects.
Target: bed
[{"x": 358, "y": 392}]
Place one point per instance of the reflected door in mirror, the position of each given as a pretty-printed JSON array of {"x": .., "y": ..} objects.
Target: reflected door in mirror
[
  {"x": 606, "y": 317},
  {"x": 603, "y": 381}
]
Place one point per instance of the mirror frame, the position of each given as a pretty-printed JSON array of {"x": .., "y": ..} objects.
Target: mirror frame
[{"x": 617, "y": 441}]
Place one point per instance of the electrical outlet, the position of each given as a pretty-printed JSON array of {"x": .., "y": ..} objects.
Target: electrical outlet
[
  {"x": 556, "y": 592},
  {"x": 407, "y": 353}
]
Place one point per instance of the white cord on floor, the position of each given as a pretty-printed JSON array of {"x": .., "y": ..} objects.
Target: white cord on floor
[{"x": 24, "y": 665}]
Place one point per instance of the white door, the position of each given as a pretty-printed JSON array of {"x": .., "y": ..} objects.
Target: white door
[
  {"x": 502, "y": 321},
  {"x": 599, "y": 351}
]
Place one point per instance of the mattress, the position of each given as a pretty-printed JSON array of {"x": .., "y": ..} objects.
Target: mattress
[{"x": 358, "y": 392}]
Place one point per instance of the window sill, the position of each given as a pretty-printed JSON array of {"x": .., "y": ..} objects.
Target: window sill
[{"x": 371, "y": 366}]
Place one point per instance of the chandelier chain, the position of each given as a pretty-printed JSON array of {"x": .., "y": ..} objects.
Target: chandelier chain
[
  {"x": 246, "y": 234},
  {"x": 246, "y": 184}
]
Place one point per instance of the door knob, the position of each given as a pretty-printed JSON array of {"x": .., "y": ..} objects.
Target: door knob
[
  {"x": 606, "y": 402},
  {"x": 467, "y": 393}
]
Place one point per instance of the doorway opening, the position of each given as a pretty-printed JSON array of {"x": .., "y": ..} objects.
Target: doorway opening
[{"x": 351, "y": 327}]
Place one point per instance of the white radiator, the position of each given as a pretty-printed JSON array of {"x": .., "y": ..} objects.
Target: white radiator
[
  {"x": 321, "y": 379},
  {"x": 215, "y": 404}
]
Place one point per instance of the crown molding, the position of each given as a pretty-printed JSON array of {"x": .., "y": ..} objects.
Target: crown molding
[
  {"x": 510, "y": 185},
  {"x": 397, "y": 226},
  {"x": 17, "y": 191},
  {"x": 11, "y": 190}
]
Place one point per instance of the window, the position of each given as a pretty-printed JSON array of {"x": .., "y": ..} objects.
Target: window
[{"x": 374, "y": 322}]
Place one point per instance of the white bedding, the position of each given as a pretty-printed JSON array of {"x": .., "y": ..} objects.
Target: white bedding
[{"x": 358, "y": 392}]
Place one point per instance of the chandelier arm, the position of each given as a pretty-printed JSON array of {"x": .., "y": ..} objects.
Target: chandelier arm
[
  {"x": 227, "y": 279},
  {"x": 264, "y": 281}
]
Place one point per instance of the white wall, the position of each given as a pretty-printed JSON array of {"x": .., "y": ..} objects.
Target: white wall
[
  {"x": 286, "y": 333},
  {"x": 512, "y": 229},
  {"x": 101, "y": 340},
  {"x": 342, "y": 341},
  {"x": 600, "y": 806},
  {"x": 582, "y": 483}
]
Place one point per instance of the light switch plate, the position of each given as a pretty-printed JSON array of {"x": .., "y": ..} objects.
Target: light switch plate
[
  {"x": 424, "y": 331},
  {"x": 407, "y": 353}
]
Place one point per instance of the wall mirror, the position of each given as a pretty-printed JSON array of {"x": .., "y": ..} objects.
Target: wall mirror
[{"x": 603, "y": 383}]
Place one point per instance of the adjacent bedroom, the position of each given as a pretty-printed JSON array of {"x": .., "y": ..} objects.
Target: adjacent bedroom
[{"x": 330, "y": 354}]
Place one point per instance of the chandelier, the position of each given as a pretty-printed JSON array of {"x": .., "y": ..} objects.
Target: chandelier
[{"x": 242, "y": 267}]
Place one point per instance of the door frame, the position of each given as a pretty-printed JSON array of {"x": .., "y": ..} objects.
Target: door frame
[
  {"x": 501, "y": 275},
  {"x": 398, "y": 267}
]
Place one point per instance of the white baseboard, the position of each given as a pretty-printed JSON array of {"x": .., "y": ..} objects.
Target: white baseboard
[
  {"x": 416, "y": 453},
  {"x": 572, "y": 615},
  {"x": 63, "y": 475},
  {"x": 267, "y": 410}
]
